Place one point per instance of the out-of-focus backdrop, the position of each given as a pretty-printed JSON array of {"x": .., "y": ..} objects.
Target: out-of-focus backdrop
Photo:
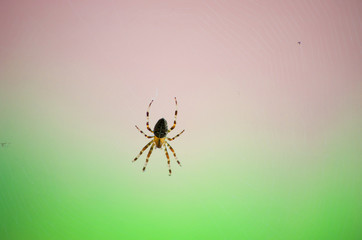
[{"x": 269, "y": 93}]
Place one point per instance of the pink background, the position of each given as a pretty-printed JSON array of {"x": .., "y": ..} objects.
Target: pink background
[{"x": 209, "y": 54}]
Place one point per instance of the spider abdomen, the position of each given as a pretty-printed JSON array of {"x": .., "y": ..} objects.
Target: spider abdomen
[{"x": 161, "y": 129}]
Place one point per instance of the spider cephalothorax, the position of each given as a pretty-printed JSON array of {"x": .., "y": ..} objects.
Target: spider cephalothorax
[{"x": 160, "y": 132}]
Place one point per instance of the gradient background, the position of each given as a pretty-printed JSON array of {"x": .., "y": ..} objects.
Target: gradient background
[{"x": 272, "y": 147}]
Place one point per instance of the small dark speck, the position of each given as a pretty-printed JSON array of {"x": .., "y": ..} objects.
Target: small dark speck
[
  {"x": 299, "y": 43},
  {"x": 4, "y": 144}
]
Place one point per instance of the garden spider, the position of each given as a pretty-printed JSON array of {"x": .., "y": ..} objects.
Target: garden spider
[{"x": 160, "y": 130}]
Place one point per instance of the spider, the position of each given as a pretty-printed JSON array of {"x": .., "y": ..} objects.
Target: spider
[{"x": 160, "y": 132}]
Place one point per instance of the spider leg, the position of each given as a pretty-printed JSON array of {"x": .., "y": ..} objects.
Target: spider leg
[
  {"x": 174, "y": 122},
  {"x": 148, "y": 117},
  {"x": 144, "y": 133},
  {"x": 168, "y": 160},
  {"x": 148, "y": 156},
  {"x": 171, "y": 139},
  {"x": 143, "y": 149},
  {"x": 174, "y": 154}
]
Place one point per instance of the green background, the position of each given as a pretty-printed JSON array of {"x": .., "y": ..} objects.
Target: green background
[{"x": 64, "y": 182}]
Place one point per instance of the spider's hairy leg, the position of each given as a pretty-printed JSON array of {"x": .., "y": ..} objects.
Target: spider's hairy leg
[
  {"x": 143, "y": 133},
  {"x": 143, "y": 149},
  {"x": 148, "y": 118},
  {"x": 174, "y": 122},
  {"x": 174, "y": 154},
  {"x": 171, "y": 139},
  {"x": 148, "y": 156},
  {"x": 168, "y": 160}
]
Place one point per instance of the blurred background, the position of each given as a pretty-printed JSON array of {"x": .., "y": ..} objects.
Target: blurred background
[{"x": 272, "y": 147}]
